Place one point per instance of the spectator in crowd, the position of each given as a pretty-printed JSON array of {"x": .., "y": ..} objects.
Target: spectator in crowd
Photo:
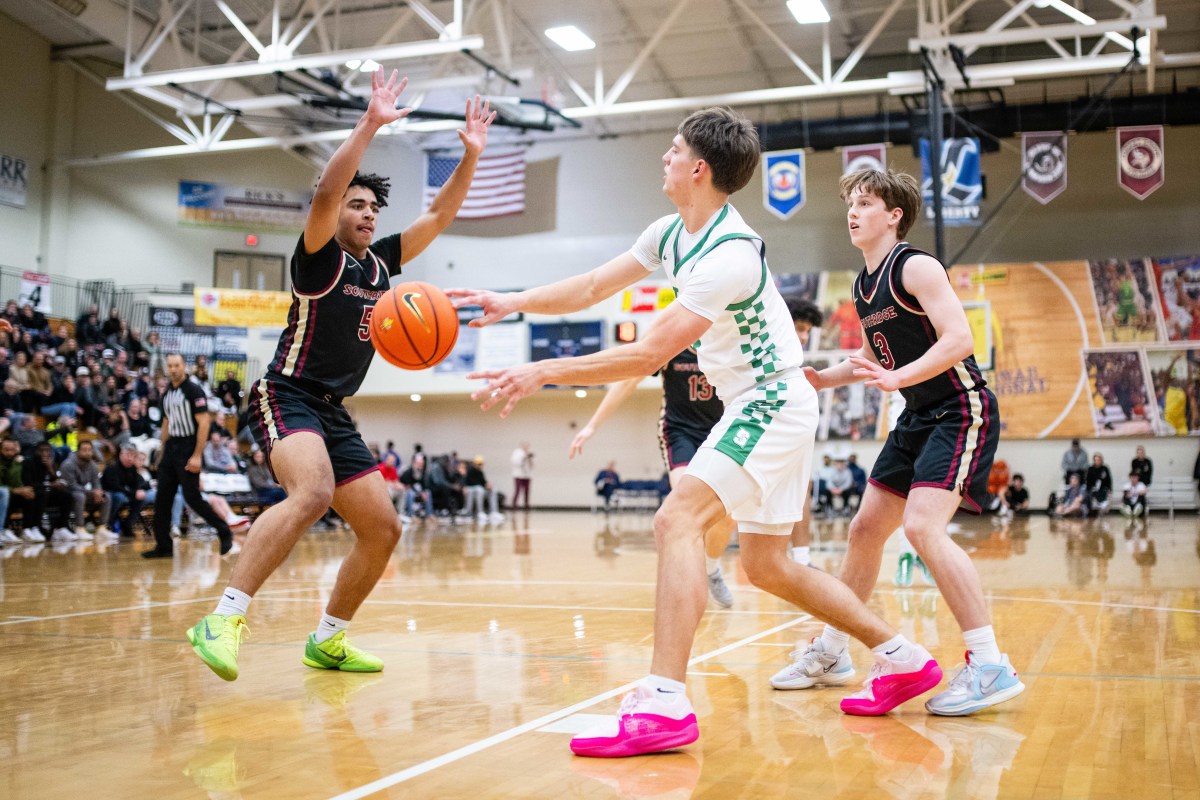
[
  {"x": 522, "y": 472},
  {"x": 119, "y": 341},
  {"x": 125, "y": 486},
  {"x": 838, "y": 485},
  {"x": 1074, "y": 501},
  {"x": 391, "y": 479},
  {"x": 81, "y": 474},
  {"x": 1016, "y": 497},
  {"x": 152, "y": 354},
  {"x": 62, "y": 399},
  {"x": 1074, "y": 462},
  {"x": 59, "y": 337},
  {"x": 229, "y": 392},
  {"x": 136, "y": 349},
  {"x": 217, "y": 457},
  {"x": 607, "y": 480},
  {"x": 63, "y": 436},
  {"x": 415, "y": 488},
  {"x": 139, "y": 424},
  {"x": 390, "y": 449},
  {"x": 477, "y": 487},
  {"x": 4, "y": 364},
  {"x": 438, "y": 479},
  {"x": 113, "y": 431},
  {"x": 860, "y": 475},
  {"x": 1133, "y": 496},
  {"x": 141, "y": 460},
  {"x": 47, "y": 496},
  {"x": 87, "y": 327},
  {"x": 86, "y": 400},
  {"x": 31, "y": 319},
  {"x": 266, "y": 489},
  {"x": 11, "y": 313},
  {"x": 18, "y": 373},
  {"x": 1099, "y": 484},
  {"x": 1143, "y": 466},
  {"x": 112, "y": 325},
  {"x": 141, "y": 384},
  {"x": 69, "y": 350},
  {"x": 11, "y": 404},
  {"x": 40, "y": 384},
  {"x": 58, "y": 372},
  {"x": 29, "y": 435},
  {"x": 10, "y": 481}
]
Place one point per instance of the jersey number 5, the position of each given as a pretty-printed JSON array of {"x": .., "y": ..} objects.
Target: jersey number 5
[
  {"x": 699, "y": 389},
  {"x": 364, "y": 326},
  {"x": 885, "y": 354}
]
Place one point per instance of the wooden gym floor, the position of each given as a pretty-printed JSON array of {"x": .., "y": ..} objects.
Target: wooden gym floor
[{"x": 498, "y": 639}]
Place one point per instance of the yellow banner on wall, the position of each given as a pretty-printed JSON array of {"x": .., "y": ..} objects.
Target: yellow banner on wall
[{"x": 242, "y": 308}]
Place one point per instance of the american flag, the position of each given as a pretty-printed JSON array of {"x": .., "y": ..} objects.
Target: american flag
[{"x": 498, "y": 188}]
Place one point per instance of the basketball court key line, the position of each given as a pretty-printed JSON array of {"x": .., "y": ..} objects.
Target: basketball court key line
[
  {"x": 140, "y": 607},
  {"x": 499, "y": 738}
]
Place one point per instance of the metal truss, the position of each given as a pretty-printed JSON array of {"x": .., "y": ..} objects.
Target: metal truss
[{"x": 169, "y": 58}]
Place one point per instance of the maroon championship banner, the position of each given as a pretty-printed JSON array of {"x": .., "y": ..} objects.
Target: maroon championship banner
[
  {"x": 1044, "y": 165},
  {"x": 1141, "y": 159},
  {"x": 864, "y": 156}
]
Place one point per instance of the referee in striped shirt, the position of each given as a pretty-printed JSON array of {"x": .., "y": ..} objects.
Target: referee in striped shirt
[{"x": 184, "y": 434}]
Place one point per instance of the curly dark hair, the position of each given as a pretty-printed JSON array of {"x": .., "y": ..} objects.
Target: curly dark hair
[
  {"x": 376, "y": 183},
  {"x": 804, "y": 311}
]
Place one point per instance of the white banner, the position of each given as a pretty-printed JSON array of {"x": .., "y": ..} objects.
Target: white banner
[
  {"x": 14, "y": 180},
  {"x": 35, "y": 290}
]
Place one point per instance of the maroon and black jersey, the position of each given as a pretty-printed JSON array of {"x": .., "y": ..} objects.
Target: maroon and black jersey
[
  {"x": 899, "y": 332},
  {"x": 689, "y": 402},
  {"x": 326, "y": 346}
]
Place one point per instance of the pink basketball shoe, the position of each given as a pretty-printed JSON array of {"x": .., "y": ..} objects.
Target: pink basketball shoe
[
  {"x": 649, "y": 721},
  {"x": 891, "y": 683}
]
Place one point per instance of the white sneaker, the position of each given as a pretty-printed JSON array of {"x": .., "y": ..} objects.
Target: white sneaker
[
  {"x": 8, "y": 536},
  {"x": 106, "y": 534},
  {"x": 482, "y": 519},
  {"x": 33, "y": 535},
  {"x": 405, "y": 520},
  {"x": 82, "y": 535},
  {"x": 175, "y": 532},
  {"x": 497, "y": 517},
  {"x": 237, "y": 521},
  {"x": 234, "y": 549},
  {"x": 62, "y": 535},
  {"x": 719, "y": 591},
  {"x": 813, "y": 666}
]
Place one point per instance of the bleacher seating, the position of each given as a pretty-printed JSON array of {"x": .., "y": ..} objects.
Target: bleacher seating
[{"x": 1170, "y": 493}]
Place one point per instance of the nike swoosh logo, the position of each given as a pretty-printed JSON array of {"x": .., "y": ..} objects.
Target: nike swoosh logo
[
  {"x": 231, "y": 597},
  {"x": 208, "y": 634},
  {"x": 830, "y": 667},
  {"x": 987, "y": 685},
  {"x": 939, "y": 416},
  {"x": 889, "y": 652},
  {"x": 408, "y": 301}
]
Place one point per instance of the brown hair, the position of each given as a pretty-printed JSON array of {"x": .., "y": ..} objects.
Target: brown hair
[
  {"x": 896, "y": 190},
  {"x": 727, "y": 142}
]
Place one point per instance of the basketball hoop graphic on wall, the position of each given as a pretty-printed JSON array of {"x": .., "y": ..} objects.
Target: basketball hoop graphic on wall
[{"x": 1141, "y": 159}]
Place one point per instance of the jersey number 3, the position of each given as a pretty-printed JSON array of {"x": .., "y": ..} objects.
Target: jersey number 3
[
  {"x": 364, "y": 326},
  {"x": 885, "y": 354}
]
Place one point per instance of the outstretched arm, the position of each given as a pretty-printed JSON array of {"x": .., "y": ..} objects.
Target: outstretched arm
[
  {"x": 444, "y": 208},
  {"x": 323, "y": 215},
  {"x": 617, "y": 394},
  {"x": 570, "y": 294},
  {"x": 842, "y": 373}
]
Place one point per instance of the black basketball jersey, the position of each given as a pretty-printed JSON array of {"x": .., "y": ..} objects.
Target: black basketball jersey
[
  {"x": 326, "y": 346},
  {"x": 899, "y": 332},
  {"x": 688, "y": 399}
]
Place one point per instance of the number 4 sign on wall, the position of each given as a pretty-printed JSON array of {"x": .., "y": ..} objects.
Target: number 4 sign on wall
[{"x": 35, "y": 290}]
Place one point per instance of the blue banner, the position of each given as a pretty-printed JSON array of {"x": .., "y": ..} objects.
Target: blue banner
[
  {"x": 783, "y": 182},
  {"x": 962, "y": 181}
]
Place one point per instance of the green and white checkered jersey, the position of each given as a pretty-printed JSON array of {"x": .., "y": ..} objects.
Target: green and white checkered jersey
[{"x": 720, "y": 272}]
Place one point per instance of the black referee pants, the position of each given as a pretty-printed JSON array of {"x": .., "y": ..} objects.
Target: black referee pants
[{"x": 172, "y": 474}]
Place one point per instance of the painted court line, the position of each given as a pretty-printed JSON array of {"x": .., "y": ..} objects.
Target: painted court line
[
  {"x": 139, "y": 607},
  {"x": 484, "y": 744},
  {"x": 537, "y": 607}
]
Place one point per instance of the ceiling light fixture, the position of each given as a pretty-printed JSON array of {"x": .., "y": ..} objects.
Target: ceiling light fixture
[
  {"x": 570, "y": 38},
  {"x": 808, "y": 12}
]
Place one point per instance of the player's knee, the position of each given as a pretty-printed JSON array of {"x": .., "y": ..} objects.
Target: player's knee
[
  {"x": 763, "y": 569},
  {"x": 671, "y": 523},
  {"x": 312, "y": 502}
]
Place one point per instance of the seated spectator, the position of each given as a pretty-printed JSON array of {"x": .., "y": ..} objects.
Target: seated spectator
[
  {"x": 859, "y": 475},
  {"x": 10, "y": 481},
  {"x": 391, "y": 479},
  {"x": 1016, "y": 497},
  {"x": 477, "y": 487},
  {"x": 1099, "y": 484},
  {"x": 69, "y": 350},
  {"x": 265, "y": 487},
  {"x": 63, "y": 437},
  {"x": 125, "y": 486},
  {"x": 140, "y": 426},
  {"x": 1074, "y": 501},
  {"x": 113, "y": 431},
  {"x": 112, "y": 325},
  {"x": 62, "y": 399},
  {"x": 607, "y": 481},
  {"x": 151, "y": 355},
  {"x": 1133, "y": 496},
  {"x": 1143, "y": 466},
  {"x": 85, "y": 399},
  {"x": 81, "y": 474},
  {"x": 11, "y": 404},
  {"x": 217, "y": 457},
  {"x": 58, "y": 371},
  {"x": 18, "y": 373},
  {"x": 415, "y": 491},
  {"x": 839, "y": 485},
  {"x": 11, "y": 313},
  {"x": 42, "y": 496},
  {"x": 40, "y": 385},
  {"x": 446, "y": 497},
  {"x": 229, "y": 392},
  {"x": 87, "y": 329},
  {"x": 31, "y": 319},
  {"x": 29, "y": 435}
]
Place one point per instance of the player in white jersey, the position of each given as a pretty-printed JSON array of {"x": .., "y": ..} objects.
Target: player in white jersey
[{"x": 754, "y": 465}]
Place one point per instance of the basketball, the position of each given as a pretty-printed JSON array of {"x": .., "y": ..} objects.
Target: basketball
[{"x": 414, "y": 325}]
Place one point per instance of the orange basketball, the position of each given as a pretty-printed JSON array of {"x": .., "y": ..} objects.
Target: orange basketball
[{"x": 414, "y": 325}]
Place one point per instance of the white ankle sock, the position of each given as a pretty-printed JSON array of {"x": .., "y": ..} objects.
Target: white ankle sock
[
  {"x": 897, "y": 649},
  {"x": 712, "y": 566},
  {"x": 800, "y": 556},
  {"x": 982, "y": 644},
  {"x": 665, "y": 685},
  {"x": 833, "y": 640},
  {"x": 233, "y": 602},
  {"x": 329, "y": 627}
]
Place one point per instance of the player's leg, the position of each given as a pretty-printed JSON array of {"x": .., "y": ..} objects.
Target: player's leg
[
  {"x": 880, "y": 513},
  {"x": 657, "y": 715},
  {"x": 365, "y": 505},
  {"x": 801, "y": 539},
  {"x": 716, "y": 537}
]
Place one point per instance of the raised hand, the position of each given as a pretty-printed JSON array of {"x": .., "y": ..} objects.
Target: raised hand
[
  {"x": 478, "y": 119},
  {"x": 496, "y": 306},
  {"x": 584, "y": 434},
  {"x": 384, "y": 94},
  {"x": 509, "y": 385},
  {"x": 874, "y": 375}
]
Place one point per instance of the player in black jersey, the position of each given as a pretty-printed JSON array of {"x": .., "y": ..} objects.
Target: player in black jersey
[
  {"x": 296, "y": 412},
  {"x": 917, "y": 341}
]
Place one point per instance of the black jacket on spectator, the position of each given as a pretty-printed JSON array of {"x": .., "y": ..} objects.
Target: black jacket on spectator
[{"x": 117, "y": 478}]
